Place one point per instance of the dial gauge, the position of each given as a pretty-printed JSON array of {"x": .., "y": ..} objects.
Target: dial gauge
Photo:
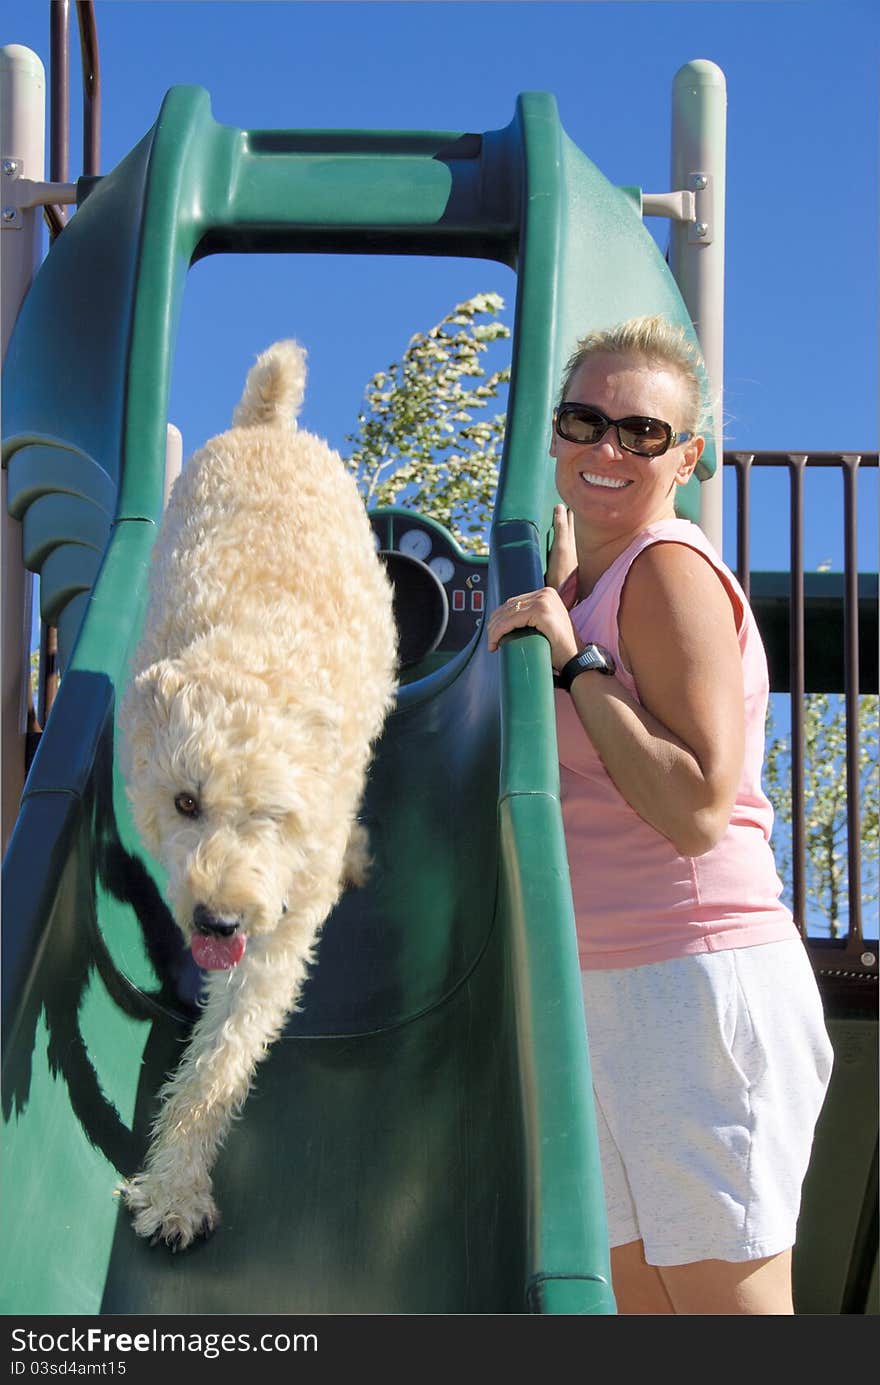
[
  {"x": 443, "y": 569},
  {"x": 415, "y": 543}
]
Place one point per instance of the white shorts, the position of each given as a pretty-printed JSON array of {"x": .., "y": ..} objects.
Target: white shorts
[{"x": 709, "y": 1073}]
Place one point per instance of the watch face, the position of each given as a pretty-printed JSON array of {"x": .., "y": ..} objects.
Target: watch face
[{"x": 593, "y": 656}]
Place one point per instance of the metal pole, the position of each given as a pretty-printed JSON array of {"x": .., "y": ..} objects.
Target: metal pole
[
  {"x": 743, "y": 463},
  {"x": 696, "y": 249},
  {"x": 22, "y": 144},
  {"x": 91, "y": 76},
  {"x": 797, "y": 685},
  {"x": 59, "y": 168},
  {"x": 851, "y": 691},
  {"x": 173, "y": 458},
  {"x": 59, "y": 103}
]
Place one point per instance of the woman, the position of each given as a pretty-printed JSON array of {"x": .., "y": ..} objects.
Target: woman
[{"x": 708, "y": 1048}]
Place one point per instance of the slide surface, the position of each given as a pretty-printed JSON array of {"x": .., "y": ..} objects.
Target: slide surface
[{"x": 382, "y": 1160}]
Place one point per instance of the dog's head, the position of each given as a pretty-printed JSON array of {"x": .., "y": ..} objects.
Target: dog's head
[{"x": 232, "y": 793}]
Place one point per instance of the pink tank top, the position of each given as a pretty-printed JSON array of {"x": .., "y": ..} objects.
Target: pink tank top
[{"x": 635, "y": 899}]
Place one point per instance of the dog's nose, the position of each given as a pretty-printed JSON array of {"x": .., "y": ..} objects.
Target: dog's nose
[{"x": 212, "y": 924}]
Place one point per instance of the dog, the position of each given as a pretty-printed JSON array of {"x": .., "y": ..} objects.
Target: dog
[{"x": 257, "y": 691}]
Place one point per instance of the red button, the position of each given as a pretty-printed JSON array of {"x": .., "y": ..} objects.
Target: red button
[
  {"x": 476, "y": 601},
  {"x": 458, "y": 600}
]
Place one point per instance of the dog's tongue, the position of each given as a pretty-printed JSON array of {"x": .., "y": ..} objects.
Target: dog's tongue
[{"x": 218, "y": 954}]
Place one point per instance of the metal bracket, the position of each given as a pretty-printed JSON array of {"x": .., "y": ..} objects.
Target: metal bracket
[
  {"x": 678, "y": 206},
  {"x": 702, "y": 232},
  {"x": 21, "y": 194},
  {"x": 10, "y": 216}
]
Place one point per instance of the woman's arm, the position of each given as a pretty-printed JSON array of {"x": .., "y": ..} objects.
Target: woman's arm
[{"x": 676, "y": 758}]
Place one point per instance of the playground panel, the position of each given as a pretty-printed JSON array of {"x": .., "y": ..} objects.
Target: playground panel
[{"x": 422, "y": 1139}]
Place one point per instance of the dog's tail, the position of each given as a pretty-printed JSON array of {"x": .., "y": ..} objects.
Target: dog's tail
[{"x": 274, "y": 388}]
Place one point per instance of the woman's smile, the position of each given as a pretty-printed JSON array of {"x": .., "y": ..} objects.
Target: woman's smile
[{"x": 592, "y": 478}]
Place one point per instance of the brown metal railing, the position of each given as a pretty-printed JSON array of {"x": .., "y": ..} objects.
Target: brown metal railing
[
  {"x": 59, "y": 97},
  {"x": 851, "y": 955},
  {"x": 91, "y": 87},
  {"x": 56, "y": 218}
]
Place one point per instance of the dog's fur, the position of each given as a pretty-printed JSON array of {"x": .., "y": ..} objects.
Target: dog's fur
[{"x": 258, "y": 689}]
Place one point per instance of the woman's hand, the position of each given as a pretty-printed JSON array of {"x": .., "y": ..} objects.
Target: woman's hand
[
  {"x": 562, "y": 562},
  {"x": 547, "y": 610},
  {"x": 542, "y": 610}
]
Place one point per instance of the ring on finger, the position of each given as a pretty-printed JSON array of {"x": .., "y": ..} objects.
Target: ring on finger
[{"x": 517, "y": 606}]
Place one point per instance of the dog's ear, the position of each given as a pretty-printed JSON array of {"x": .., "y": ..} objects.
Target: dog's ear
[
  {"x": 143, "y": 712},
  {"x": 314, "y": 714},
  {"x": 143, "y": 718},
  {"x": 310, "y": 728}
]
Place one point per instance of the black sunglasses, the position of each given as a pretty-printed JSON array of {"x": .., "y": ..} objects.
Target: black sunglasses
[{"x": 646, "y": 437}]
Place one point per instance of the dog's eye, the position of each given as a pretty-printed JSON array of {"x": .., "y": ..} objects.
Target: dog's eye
[{"x": 187, "y": 806}]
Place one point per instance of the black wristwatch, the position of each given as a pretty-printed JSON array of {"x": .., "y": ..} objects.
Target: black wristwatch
[{"x": 592, "y": 656}]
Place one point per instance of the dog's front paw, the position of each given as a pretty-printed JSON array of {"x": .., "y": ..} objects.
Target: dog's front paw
[{"x": 175, "y": 1215}]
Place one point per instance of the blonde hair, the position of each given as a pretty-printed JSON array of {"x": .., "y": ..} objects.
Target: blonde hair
[{"x": 657, "y": 342}]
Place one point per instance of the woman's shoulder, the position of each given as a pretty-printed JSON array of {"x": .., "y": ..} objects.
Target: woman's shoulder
[
  {"x": 678, "y": 568},
  {"x": 667, "y": 544},
  {"x": 662, "y": 532},
  {"x": 668, "y": 547},
  {"x": 674, "y": 537},
  {"x": 676, "y": 530}
]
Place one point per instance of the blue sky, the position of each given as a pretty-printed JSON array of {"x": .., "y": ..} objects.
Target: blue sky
[{"x": 801, "y": 364}]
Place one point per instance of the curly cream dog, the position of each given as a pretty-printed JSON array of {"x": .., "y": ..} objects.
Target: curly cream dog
[{"x": 258, "y": 689}]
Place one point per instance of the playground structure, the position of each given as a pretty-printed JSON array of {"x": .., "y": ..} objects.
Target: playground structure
[{"x": 422, "y": 1140}]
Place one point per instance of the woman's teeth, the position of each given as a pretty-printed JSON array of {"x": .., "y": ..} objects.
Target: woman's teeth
[{"x": 593, "y": 480}]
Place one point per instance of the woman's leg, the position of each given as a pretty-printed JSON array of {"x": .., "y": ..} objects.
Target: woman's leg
[
  {"x": 638, "y": 1287},
  {"x": 720, "y": 1286},
  {"x": 715, "y": 1117},
  {"x": 707, "y": 1286}
]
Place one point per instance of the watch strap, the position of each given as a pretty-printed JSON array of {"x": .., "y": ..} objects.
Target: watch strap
[{"x": 591, "y": 657}]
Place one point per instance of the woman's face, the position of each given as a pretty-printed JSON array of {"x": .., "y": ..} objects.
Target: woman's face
[{"x": 606, "y": 488}]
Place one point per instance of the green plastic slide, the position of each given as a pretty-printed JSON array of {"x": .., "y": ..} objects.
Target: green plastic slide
[{"x": 422, "y": 1138}]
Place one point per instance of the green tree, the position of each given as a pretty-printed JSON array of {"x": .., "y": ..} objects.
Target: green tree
[
  {"x": 420, "y": 442},
  {"x": 825, "y": 804}
]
